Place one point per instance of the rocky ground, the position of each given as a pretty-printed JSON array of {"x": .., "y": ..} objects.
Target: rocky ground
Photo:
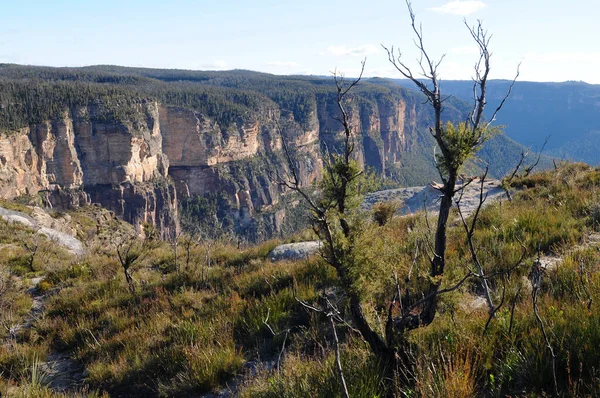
[
  {"x": 56, "y": 229},
  {"x": 414, "y": 199}
]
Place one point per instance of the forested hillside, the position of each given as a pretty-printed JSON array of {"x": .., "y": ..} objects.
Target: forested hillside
[{"x": 34, "y": 94}]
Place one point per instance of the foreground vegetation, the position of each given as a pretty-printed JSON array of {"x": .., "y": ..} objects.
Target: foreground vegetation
[{"x": 192, "y": 327}]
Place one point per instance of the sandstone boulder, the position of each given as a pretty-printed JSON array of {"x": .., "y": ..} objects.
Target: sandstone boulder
[{"x": 295, "y": 251}]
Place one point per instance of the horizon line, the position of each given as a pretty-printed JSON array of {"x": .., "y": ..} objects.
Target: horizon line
[{"x": 4, "y": 64}]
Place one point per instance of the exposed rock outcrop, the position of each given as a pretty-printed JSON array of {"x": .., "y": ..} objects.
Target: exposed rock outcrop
[
  {"x": 415, "y": 199},
  {"x": 295, "y": 251},
  {"x": 43, "y": 224},
  {"x": 140, "y": 164},
  {"x": 76, "y": 160}
]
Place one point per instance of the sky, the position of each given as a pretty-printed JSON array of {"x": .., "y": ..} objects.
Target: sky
[{"x": 554, "y": 40}]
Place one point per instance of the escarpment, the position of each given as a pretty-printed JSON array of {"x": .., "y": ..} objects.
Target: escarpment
[
  {"x": 145, "y": 151},
  {"x": 140, "y": 166}
]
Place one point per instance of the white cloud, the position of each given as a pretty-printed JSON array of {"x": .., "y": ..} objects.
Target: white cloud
[
  {"x": 362, "y": 50},
  {"x": 284, "y": 64},
  {"x": 459, "y": 7}
]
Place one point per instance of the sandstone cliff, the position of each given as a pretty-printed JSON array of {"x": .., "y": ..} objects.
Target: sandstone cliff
[
  {"x": 77, "y": 159},
  {"x": 74, "y": 160},
  {"x": 143, "y": 147}
]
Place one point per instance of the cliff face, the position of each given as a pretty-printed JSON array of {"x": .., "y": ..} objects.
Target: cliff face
[
  {"x": 139, "y": 166},
  {"x": 237, "y": 161},
  {"x": 75, "y": 160},
  {"x": 385, "y": 128}
]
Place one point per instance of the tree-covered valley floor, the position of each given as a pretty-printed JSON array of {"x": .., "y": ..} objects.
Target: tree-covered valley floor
[{"x": 210, "y": 318}]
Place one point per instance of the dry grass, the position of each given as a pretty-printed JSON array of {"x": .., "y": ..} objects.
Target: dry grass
[{"x": 194, "y": 328}]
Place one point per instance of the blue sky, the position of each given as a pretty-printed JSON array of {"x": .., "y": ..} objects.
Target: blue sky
[{"x": 555, "y": 40}]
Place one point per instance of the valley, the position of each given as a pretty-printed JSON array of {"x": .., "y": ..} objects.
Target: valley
[
  {"x": 151, "y": 246},
  {"x": 564, "y": 113},
  {"x": 274, "y": 199},
  {"x": 143, "y": 142}
]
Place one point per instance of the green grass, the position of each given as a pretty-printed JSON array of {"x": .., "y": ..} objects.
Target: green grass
[{"x": 176, "y": 335}]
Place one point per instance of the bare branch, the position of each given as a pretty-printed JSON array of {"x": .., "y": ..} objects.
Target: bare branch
[
  {"x": 338, "y": 361},
  {"x": 512, "y": 310},
  {"x": 530, "y": 168},
  {"x": 495, "y": 309},
  {"x": 470, "y": 230},
  {"x": 306, "y": 305},
  {"x": 518, "y": 166},
  {"x": 434, "y": 294},
  {"x": 493, "y": 118},
  {"x": 507, "y": 181},
  {"x": 285, "y": 332}
]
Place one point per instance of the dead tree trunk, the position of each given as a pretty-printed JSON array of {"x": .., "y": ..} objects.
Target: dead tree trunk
[
  {"x": 456, "y": 142},
  {"x": 129, "y": 252},
  {"x": 338, "y": 361}
]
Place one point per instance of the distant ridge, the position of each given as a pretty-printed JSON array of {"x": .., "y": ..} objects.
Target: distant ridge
[{"x": 567, "y": 112}]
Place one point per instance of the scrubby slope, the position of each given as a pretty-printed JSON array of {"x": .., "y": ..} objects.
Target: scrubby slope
[{"x": 217, "y": 317}]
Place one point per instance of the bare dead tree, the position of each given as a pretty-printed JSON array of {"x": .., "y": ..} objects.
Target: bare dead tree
[
  {"x": 532, "y": 166},
  {"x": 506, "y": 182},
  {"x": 331, "y": 311},
  {"x": 284, "y": 332},
  {"x": 129, "y": 251},
  {"x": 456, "y": 143},
  {"x": 37, "y": 247},
  {"x": 505, "y": 274},
  {"x": 470, "y": 231},
  {"x": 32, "y": 246},
  {"x": 496, "y": 308}
]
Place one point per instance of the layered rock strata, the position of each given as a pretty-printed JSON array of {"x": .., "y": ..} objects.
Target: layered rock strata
[{"x": 140, "y": 166}]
